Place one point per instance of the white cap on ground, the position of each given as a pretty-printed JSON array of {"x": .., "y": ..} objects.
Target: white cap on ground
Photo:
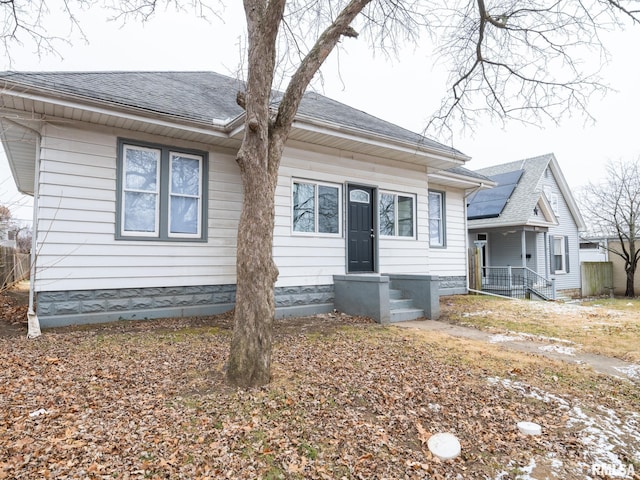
[
  {"x": 445, "y": 446},
  {"x": 529, "y": 428}
]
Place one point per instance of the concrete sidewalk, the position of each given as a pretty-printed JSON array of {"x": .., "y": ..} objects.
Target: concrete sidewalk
[{"x": 556, "y": 349}]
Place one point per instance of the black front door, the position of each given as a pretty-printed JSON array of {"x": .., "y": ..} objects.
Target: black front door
[{"x": 360, "y": 225}]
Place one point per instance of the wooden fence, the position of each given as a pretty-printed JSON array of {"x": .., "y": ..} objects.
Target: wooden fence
[
  {"x": 14, "y": 266},
  {"x": 597, "y": 278}
]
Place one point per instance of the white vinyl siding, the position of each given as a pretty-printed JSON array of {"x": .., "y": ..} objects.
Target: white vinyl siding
[
  {"x": 77, "y": 247},
  {"x": 566, "y": 227},
  {"x": 313, "y": 260},
  {"x": 76, "y": 242},
  {"x": 452, "y": 259}
]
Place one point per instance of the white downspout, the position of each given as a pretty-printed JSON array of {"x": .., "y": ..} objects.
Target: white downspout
[{"x": 33, "y": 322}]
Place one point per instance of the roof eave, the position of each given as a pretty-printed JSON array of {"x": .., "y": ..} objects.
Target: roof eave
[
  {"x": 461, "y": 181},
  {"x": 217, "y": 127},
  {"x": 451, "y": 157}
]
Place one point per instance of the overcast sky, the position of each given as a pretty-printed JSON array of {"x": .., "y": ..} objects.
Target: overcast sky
[{"x": 404, "y": 91}]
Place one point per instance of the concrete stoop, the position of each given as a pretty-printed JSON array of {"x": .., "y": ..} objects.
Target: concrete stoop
[
  {"x": 388, "y": 297},
  {"x": 402, "y": 309}
]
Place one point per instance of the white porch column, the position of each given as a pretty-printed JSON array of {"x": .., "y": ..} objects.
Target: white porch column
[{"x": 523, "y": 240}]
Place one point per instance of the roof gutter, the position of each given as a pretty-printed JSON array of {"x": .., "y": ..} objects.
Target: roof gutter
[{"x": 409, "y": 147}]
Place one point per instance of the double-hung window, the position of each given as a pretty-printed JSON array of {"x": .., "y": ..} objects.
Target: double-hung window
[
  {"x": 437, "y": 236},
  {"x": 396, "y": 214},
  {"x": 559, "y": 254},
  {"x": 161, "y": 193},
  {"x": 316, "y": 208}
]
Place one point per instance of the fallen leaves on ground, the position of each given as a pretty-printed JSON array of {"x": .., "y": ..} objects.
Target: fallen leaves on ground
[{"x": 348, "y": 399}]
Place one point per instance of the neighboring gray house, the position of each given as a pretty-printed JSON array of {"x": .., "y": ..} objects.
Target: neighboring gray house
[
  {"x": 137, "y": 198},
  {"x": 527, "y": 229}
]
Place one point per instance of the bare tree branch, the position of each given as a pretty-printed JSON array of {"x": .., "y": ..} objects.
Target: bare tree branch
[{"x": 612, "y": 208}]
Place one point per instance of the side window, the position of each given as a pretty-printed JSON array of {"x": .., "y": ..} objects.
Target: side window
[
  {"x": 396, "y": 214},
  {"x": 161, "y": 193},
  {"x": 552, "y": 197},
  {"x": 141, "y": 191},
  {"x": 559, "y": 254},
  {"x": 316, "y": 208},
  {"x": 437, "y": 234}
]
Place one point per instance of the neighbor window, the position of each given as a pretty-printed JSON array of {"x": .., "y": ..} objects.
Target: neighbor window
[
  {"x": 161, "y": 193},
  {"x": 436, "y": 219},
  {"x": 552, "y": 197},
  {"x": 316, "y": 208},
  {"x": 396, "y": 214},
  {"x": 559, "y": 254}
]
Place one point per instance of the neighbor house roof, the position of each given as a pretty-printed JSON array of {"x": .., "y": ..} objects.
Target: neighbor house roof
[
  {"x": 525, "y": 195},
  {"x": 202, "y": 106},
  {"x": 461, "y": 177}
]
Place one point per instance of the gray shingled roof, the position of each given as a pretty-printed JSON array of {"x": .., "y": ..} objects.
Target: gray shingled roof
[
  {"x": 469, "y": 173},
  {"x": 525, "y": 196},
  {"x": 200, "y": 97}
]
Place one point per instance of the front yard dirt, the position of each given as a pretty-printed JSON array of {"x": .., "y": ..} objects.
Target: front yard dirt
[{"x": 349, "y": 399}]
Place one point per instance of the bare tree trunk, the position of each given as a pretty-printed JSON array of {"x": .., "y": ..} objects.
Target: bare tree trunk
[
  {"x": 630, "y": 291},
  {"x": 250, "y": 355},
  {"x": 259, "y": 159}
]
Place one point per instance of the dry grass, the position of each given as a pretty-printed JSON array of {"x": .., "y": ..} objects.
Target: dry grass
[
  {"x": 349, "y": 399},
  {"x": 609, "y": 327}
]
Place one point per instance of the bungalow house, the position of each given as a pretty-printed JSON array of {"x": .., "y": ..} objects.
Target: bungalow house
[
  {"x": 526, "y": 230},
  {"x": 137, "y": 198}
]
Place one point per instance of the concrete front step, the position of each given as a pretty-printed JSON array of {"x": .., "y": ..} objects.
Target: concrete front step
[
  {"x": 405, "y": 314},
  {"x": 395, "y": 294},
  {"x": 395, "y": 304}
]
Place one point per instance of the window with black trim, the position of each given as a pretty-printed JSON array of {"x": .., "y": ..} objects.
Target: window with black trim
[
  {"x": 396, "y": 214},
  {"x": 161, "y": 192},
  {"x": 437, "y": 224}
]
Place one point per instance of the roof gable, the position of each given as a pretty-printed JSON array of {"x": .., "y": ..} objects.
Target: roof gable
[{"x": 528, "y": 198}]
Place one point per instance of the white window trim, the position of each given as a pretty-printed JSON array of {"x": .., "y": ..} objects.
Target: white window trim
[
  {"x": 552, "y": 198},
  {"x": 395, "y": 214},
  {"x": 563, "y": 253},
  {"x": 442, "y": 230},
  {"x": 198, "y": 233},
  {"x": 316, "y": 233},
  {"x": 124, "y": 190}
]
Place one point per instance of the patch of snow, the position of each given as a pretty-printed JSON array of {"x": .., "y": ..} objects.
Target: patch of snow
[
  {"x": 545, "y": 338},
  {"x": 632, "y": 371},
  {"x": 558, "y": 349},
  {"x": 482, "y": 313},
  {"x": 499, "y": 338},
  {"x": 602, "y": 432},
  {"x": 523, "y": 473}
]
